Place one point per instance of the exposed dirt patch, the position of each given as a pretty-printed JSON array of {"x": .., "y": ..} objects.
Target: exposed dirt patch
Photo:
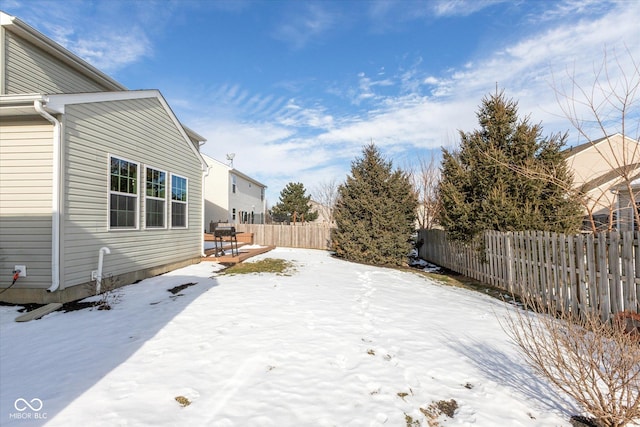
[
  {"x": 180, "y": 288},
  {"x": 25, "y": 307}
]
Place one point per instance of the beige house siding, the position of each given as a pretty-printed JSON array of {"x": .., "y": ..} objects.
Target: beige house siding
[
  {"x": 29, "y": 69},
  {"x": 593, "y": 165},
  {"x": 139, "y": 131},
  {"x": 26, "y": 159},
  {"x": 601, "y": 156}
]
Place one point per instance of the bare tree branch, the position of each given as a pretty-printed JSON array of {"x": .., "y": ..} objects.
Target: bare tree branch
[
  {"x": 424, "y": 179},
  {"x": 612, "y": 105},
  {"x": 596, "y": 363},
  {"x": 326, "y": 194}
]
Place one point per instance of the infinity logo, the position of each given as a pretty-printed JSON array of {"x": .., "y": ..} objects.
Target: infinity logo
[{"x": 21, "y": 404}]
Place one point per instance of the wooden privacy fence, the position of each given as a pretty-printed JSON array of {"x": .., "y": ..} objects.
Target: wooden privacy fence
[
  {"x": 308, "y": 236},
  {"x": 578, "y": 272}
]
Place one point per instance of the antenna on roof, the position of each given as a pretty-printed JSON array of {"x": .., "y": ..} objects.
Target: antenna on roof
[{"x": 230, "y": 157}]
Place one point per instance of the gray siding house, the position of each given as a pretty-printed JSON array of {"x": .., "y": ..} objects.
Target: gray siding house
[{"x": 99, "y": 185}]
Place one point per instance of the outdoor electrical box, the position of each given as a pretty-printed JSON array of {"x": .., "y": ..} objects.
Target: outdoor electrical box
[{"x": 22, "y": 269}]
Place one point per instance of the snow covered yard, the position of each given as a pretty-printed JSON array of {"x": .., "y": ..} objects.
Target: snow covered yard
[{"x": 331, "y": 344}]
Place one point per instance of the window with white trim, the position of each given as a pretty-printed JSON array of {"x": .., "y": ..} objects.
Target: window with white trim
[
  {"x": 233, "y": 184},
  {"x": 123, "y": 194},
  {"x": 178, "y": 201},
  {"x": 155, "y": 198}
]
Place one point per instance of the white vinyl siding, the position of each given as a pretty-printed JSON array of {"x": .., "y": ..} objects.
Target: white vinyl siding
[
  {"x": 221, "y": 200},
  {"x": 141, "y": 131},
  {"x": 26, "y": 164},
  {"x": 248, "y": 200},
  {"x": 29, "y": 69}
]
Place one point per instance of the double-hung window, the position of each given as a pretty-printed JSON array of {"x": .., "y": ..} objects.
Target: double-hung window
[
  {"x": 178, "y": 201},
  {"x": 234, "y": 184},
  {"x": 123, "y": 194},
  {"x": 155, "y": 198}
]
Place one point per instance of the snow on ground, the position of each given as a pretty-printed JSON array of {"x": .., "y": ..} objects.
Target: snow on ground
[{"x": 332, "y": 344}]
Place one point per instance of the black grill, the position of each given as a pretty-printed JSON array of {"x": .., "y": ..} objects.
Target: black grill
[{"x": 225, "y": 233}]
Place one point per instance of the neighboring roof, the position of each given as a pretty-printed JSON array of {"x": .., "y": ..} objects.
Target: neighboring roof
[
  {"x": 18, "y": 27},
  {"x": 211, "y": 161},
  {"x": 635, "y": 184},
  {"x": 572, "y": 151},
  {"x": 612, "y": 175}
]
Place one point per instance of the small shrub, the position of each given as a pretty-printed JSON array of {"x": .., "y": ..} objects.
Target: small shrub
[
  {"x": 109, "y": 296},
  {"x": 595, "y": 362}
]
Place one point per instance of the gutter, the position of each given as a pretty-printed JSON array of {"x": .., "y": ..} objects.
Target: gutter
[
  {"x": 205, "y": 174},
  {"x": 55, "y": 197}
]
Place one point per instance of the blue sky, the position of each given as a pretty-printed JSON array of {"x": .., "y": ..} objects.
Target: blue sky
[{"x": 296, "y": 88}]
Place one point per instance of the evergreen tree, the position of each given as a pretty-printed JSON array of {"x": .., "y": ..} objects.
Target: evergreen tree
[
  {"x": 375, "y": 212},
  {"x": 506, "y": 177},
  {"x": 295, "y": 204}
]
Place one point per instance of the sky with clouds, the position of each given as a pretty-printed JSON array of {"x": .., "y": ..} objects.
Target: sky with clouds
[{"x": 296, "y": 88}]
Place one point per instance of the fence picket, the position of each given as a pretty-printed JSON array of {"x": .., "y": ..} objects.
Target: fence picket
[
  {"x": 628, "y": 284},
  {"x": 582, "y": 272}
]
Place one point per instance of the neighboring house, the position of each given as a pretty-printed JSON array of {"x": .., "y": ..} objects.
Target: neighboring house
[
  {"x": 597, "y": 168},
  {"x": 625, "y": 218},
  {"x": 91, "y": 174},
  {"x": 325, "y": 216},
  {"x": 231, "y": 196}
]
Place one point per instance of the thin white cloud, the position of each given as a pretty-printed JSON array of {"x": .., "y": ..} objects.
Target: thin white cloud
[
  {"x": 302, "y": 27},
  {"x": 572, "y": 8},
  {"x": 100, "y": 33},
  {"x": 460, "y": 7},
  {"x": 111, "y": 51}
]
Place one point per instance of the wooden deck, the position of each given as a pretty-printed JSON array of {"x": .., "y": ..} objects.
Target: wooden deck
[{"x": 243, "y": 254}]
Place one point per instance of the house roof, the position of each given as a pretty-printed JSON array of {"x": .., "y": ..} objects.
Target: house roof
[
  {"x": 20, "y": 28},
  {"x": 25, "y": 31},
  {"x": 57, "y": 103},
  {"x": 572, "y": 151},
  {"x": 210, "y": 161},
  {"x": 612, "y": 175}
]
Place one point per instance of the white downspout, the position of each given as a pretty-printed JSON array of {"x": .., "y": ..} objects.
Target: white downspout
[
  {"x": 205, "y": 174},
  {"x": 103, "y": 250},
  {"x": 55, "y": 197}
]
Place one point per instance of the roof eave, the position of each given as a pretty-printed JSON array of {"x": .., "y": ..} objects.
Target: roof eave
[{"x": 20, "y": 28}]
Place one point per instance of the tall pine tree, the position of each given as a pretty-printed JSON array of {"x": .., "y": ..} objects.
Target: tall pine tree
[
  {"x": 294, "y": 204},
  {"x": 375, "y": 212},
  {"x": 506, "y": 177}
]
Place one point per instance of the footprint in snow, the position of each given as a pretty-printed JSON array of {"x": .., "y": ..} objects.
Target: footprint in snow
[{"x": 346, "y": 362}]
